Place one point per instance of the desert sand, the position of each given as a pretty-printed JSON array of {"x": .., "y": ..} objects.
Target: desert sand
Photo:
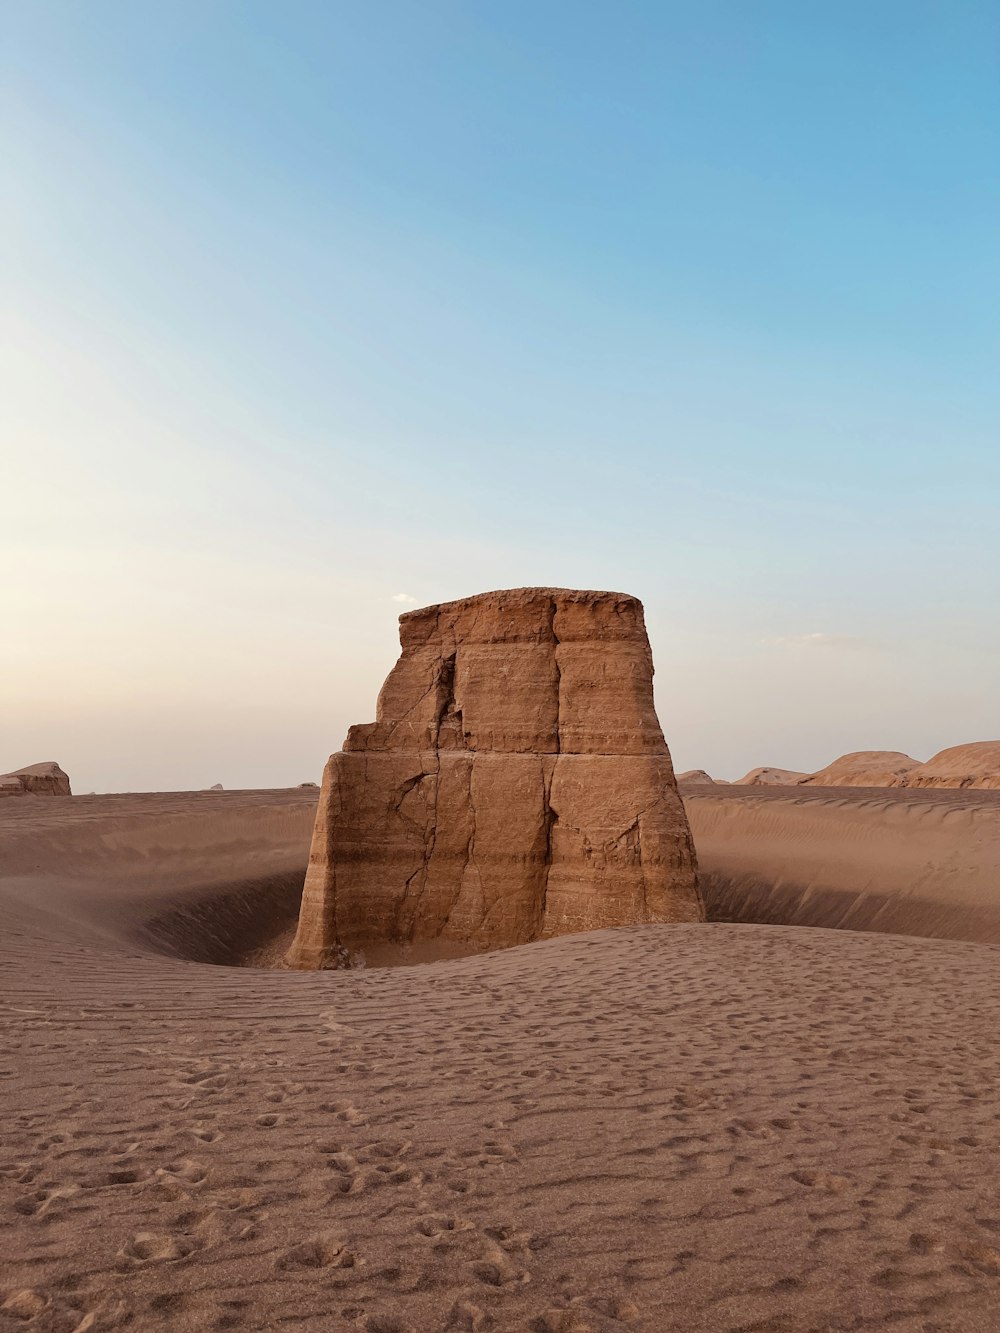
[
  {"x": 918, "y": 862},
  {"x": 662, "y": 1127}
]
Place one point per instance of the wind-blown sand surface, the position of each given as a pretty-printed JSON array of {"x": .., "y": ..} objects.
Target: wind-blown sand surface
[
  {"x": 914, "y": 861},
  {"x": 696, "y": 1127}
]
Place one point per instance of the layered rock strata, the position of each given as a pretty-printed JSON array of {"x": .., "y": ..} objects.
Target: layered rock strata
[
  {"x": 514, "y": 786},
  {"x": 865, "y": 768},
  {"x": 771, "y": 777},
  {"x": 976, "y": 765},
  {"x": 36, "y": 780}
]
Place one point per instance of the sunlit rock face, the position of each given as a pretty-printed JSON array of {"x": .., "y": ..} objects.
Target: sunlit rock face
[
  {"x": 36, "y": 780},
  {"x": 976, "y": 765},
  {"x": 514, "y": 786}
]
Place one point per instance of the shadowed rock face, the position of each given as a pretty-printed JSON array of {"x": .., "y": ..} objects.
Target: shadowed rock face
[
  {"x": 35, "y": 780},
  {"x": 515, "y": 785}
]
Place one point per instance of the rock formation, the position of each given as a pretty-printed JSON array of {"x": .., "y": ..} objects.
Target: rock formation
[
  {"x": 974, "y": 765},
  {"x": 36, "y": 780},
  {"x": 515, "y": 785},
  {"x": 864, "y": 768},
  {"x": 696, "y": 777},
  {"x": 771, "y": 777}
]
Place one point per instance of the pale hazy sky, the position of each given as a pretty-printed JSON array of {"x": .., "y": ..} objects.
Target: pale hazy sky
[{"x": 312, "y": 306}]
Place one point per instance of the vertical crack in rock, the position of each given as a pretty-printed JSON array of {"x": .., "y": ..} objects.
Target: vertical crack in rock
[
  {"x": 553, "y": 610},
  {"x": 406, "y": 909},
  {"x": 550, "y": 818},
  {"x": 514, "y": 785},
  {"x": 448, "y": 729}
]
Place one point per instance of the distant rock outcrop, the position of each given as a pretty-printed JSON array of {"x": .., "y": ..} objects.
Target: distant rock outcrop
[
  {"x": 865, "y": 768},
  {"x": 36, "y": 780},
  {"x": 515, "y": 785},
  {"x": 217, "y": 787},
  {"x": 697, "y": 777},
  {"x": 975, "y": 765},
  {"x": 771, "y": 777}
]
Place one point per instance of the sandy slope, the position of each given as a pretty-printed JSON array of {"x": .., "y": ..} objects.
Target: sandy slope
[
  {"x": 720, "y": 1127},
  {"x": 923, "y": 862}
]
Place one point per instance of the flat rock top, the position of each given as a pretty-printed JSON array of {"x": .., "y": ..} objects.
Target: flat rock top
[
  {"x": 518, "y": 597},
  {"x": 527, "y": 615}
]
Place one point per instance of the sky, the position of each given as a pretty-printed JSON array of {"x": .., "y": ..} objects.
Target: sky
[{"x": 315, "y": 312}]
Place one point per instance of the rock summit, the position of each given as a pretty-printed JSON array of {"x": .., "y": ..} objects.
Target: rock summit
[{"x": 46, "y": 779}]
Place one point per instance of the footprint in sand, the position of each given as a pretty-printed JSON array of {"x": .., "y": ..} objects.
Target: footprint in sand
[
  {"x": 187, "y": 1170},
  {"x": 40, "y": 1202},
  {"x": 822, "y": 1180},
  {"x": 983, "y": 1257},
  {"x": 468, "y": 1318},
  {"x": 496, "y": 1269},
  {"x": 349, "y": 1113},
  {"x": 126, "y": 1175},
  {"x": 439, "y": 1224},
  {"x": 24, "y": 1304},
  {"x": 157, "y": 1247},
  {"x": 320, "y": 1251}
]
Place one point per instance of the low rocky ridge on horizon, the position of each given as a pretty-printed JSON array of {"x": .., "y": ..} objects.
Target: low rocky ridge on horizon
[
  {"x": 514, "y": 786},
  {"x": 771, "y": 777},
  {"x": 698, "y": 776},
  {"x": 46, "y": 779},
  {"x": 974, "y": 766}
]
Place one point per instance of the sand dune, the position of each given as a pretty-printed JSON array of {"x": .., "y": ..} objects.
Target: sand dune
[
  {"x": 864, "y": 768},
  {"x": 913, "y": 862},
  {"x": 204, "y": 875},
  {"x": 692, "y": 1127},
  {"x": 976, "y": 766}
]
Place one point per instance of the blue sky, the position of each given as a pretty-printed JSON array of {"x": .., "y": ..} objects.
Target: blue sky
[{"x": 315, "y": 305}]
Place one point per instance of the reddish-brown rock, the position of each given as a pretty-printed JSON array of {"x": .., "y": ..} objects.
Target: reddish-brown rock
[
  {"x": 771, "y": 777},
  {"x": 515, "y": 785},
  {"x": 35, "y": 780},
  {"x": 865, "y": 768},
  {"x": 976, "y": 765}
]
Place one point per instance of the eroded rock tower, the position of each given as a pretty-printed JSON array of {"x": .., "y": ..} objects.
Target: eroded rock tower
[{"x": 515, "y": 785}]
